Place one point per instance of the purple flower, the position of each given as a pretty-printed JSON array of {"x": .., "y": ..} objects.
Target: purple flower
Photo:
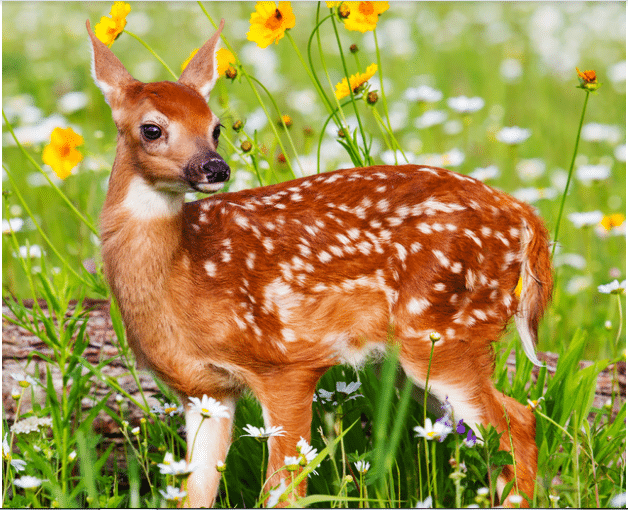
[
  {"x": 460, "y": 428},
  {"x": 471, "y": 439}
]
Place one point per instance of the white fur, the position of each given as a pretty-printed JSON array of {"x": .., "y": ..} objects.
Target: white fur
[
  {"x": 147, "y": 202},
  {"x": 211, "y": 438},
  {"x": 521, "y": 317}
]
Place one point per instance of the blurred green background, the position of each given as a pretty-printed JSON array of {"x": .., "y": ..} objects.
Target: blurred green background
[{"x": 518, "y": 57}]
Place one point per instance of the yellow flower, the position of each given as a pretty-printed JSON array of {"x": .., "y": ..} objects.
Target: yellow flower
[
  {"x": 120, "y": 10},
  {"x": 285, "y": 119},
  {"x": 331, "y": 5},
  {"x": 269, "y": 22},
  {"x": 519, "y": 287},
  {"x": 587, "y": 76},
  {"x": 224, "y": 57},
  {"x": 613, "y": 220},
  {"x": 110, "y": 28},
  {"x": 225, "y": 60},
  {"x": 356, "y": 80},
  {"x": 363, "y": 16},
  {"x": 187, "y": 60},
  {"x": 61, "y": 154},
  {"x": 588, "y": 80}
]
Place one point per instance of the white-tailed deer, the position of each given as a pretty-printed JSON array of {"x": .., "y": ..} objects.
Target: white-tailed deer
[{"x": 268, "y": 288}]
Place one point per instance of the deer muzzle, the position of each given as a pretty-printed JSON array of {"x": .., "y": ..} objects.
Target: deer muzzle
[{"x": 207, "y": 172}]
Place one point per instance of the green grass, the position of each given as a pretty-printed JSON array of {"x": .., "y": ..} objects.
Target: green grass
[{"x": 451, "y": 47}]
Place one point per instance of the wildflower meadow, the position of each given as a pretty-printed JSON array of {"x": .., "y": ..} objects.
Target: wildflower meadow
[{"x": 528, "y": 97}]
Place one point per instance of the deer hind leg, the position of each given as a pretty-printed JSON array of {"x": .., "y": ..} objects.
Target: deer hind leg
[
  {"x": 465, "y": 381},
  {"x": 286, "y": 399},
  {"x": 208, "y": 441}
]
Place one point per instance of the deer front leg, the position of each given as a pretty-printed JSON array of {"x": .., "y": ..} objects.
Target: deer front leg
[
  {"x": 208, "y": 441},
  {"x": 286, "y": 399}
]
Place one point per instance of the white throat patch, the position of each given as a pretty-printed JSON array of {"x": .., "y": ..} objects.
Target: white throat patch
[{"x": 145, "y": 202}]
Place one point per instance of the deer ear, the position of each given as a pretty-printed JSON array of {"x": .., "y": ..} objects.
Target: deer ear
[
  {"x": 108, "y": 72},
  {"x": 202, "y": 71}
]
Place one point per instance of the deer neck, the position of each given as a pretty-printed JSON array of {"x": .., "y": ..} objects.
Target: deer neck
[{"x": 141, "y": 229}]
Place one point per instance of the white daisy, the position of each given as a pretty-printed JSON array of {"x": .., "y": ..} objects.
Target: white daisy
[
  {"x": 263, "y": 433},
  {"x": 18, "y": 464},
  {"x": 275, "y": 494},
  {"x": 591, "y": 173},
  {"x": 6, "y": 449},
  {"x": 12, "y": 225},
  {"x": 594, "y": 132},
  {"x": 586, "y": 219},
  {"x": 348, "y": 389},
  {"x": 172, "y": 493},
  {"x": 362, "y": 466},
  {"x": 619, "y": 501},
  {"x": 484, "y": 174},
  {"x": 28, "y": 482},
  {"x": 463, "y": 104},
  {"x": 430, "y": 118},
  {"x": 513, "y": 135},
  {"x": 424, "y": 93},
  {"x": 437, "y": 431},
  {"x": 515, "y": 499},
  {"x": 24, "y": 380},
  {"x": 208, "y": 407},
  {"x": 30, "y": 424},
  {"x": 173, "y": 467},
  {"x": 427, "y": 503},
  {"x": 613, "y": 288}
]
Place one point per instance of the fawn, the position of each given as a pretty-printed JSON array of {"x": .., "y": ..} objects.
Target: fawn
[{"x": 268, "y": 288}]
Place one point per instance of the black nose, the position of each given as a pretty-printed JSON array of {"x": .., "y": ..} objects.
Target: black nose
[{"x": 215, "y": 169}]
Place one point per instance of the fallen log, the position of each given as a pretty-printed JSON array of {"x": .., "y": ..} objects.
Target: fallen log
[{"x": 18, "y": 343}]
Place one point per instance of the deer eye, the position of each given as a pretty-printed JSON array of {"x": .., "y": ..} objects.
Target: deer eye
[
  {"x": 150, "y": 131},
  {"x": 216, "y": 133}
]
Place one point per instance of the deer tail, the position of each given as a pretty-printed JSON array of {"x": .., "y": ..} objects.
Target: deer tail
[{"x": 535, "y": 284}]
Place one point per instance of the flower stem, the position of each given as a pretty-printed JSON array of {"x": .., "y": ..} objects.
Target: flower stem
[
  {"x": 41, "y": 232},
  {"x": 573, "y": 160},
  {"x": 152, "y": 53},
  {"x": 310, "y": 70},
  {"x": 384, "y": 102},
  {"x": 224, "y": 482},
  {"x": 427, "y": 379},
  {"x": 355, "y": 107},
  {"x": 195, "y": 436},
  {"x": 614, "y": 380},
  {"x": 434, "y": 484},
  {"x": 341, "y": 121},
  {"x": 272, "y": 124}
]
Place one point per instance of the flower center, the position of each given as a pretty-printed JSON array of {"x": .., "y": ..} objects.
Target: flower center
[
  {"x": 366, "y": 8},
  {"x": 274, "y": 21},
  {"x": 64, "y": 150}
]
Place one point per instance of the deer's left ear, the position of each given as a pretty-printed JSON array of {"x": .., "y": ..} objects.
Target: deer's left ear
[{"x": 202, "y": 71}]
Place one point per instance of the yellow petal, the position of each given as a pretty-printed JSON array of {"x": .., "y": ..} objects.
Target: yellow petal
[
  {"x": 105, "y": 31},
  {"x": 187, "y": 60},
  {"x": 120, "y": 10},
  {"x": 225, "y": 58}
]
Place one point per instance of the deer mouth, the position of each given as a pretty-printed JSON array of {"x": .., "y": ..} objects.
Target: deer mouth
[{"x": 207, "y": 187}]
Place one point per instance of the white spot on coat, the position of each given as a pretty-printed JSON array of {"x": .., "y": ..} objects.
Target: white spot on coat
[{"x": 417, "y": 306}]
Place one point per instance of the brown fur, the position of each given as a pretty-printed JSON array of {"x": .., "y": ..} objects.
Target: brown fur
[{"x": 268, "y": 288}]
